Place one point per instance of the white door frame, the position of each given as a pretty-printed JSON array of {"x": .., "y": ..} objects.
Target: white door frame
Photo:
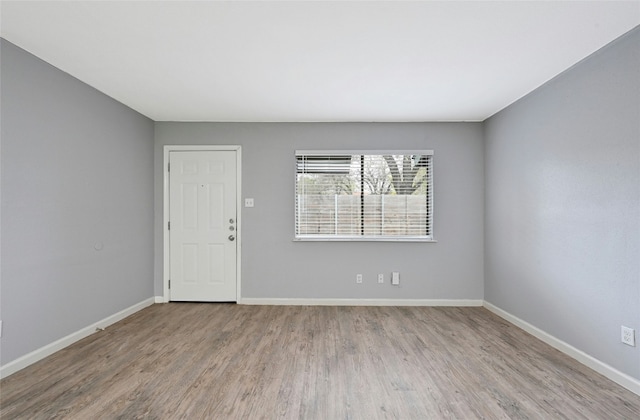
[{"x": 165, "y": 219}]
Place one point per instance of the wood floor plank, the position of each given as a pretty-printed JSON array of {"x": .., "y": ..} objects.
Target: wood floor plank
[{"x": 202, "y": 361}]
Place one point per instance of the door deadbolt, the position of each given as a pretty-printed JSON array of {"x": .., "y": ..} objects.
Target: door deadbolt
[{"x": 231, "y": 237}]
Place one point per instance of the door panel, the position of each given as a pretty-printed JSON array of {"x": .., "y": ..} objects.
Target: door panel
[{"x": 202, "y": 211}]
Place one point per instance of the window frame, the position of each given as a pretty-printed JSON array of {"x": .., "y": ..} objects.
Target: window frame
[{"x": 364, "y": 238}]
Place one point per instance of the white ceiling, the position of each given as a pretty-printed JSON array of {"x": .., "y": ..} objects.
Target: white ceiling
[{"x": 315, "y": 61}]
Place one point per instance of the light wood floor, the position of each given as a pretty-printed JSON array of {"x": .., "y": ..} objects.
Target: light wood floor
[{"x": 224, "y": 361}]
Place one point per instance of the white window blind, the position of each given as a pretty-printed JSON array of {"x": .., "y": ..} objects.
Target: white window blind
[{"x": 381, "y": 195}]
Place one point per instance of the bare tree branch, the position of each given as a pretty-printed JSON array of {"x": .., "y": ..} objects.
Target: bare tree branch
[{"x": 402, "y": 176}]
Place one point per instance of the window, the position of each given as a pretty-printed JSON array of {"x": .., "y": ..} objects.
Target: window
[{"x": 344, "y": 195}]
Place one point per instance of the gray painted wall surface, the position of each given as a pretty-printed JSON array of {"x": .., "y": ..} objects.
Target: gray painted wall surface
[
  {"x": 563, "y": 205},
  {"x": 77, "y": 171},
  {"x": 273, "y": 266}
]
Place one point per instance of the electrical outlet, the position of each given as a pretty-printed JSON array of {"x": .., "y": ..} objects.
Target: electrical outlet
[
  {"x": 380, "y": 278},
  {"x": 628, "y": 336},
  {"x": 358, "y": 278}
]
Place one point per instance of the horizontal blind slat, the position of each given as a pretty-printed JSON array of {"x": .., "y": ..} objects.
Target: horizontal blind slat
[{"x": 332, "y": 198}]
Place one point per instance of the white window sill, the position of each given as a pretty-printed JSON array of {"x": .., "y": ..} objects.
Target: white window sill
[{"x": 316, "y": 238}]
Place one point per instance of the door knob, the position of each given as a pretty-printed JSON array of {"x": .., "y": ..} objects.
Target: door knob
[{"x": 231, "y": 237}]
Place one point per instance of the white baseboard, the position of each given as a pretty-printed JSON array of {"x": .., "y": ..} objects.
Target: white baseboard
[
  {"x": 360, "y": 302},
  {"x": 159, "y": 299},
  {"x": 610, "y": 372},
  {"x": 41, "y": 353}
]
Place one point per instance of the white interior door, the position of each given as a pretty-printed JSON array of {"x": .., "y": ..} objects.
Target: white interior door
[{"x": 202, "y": 230}]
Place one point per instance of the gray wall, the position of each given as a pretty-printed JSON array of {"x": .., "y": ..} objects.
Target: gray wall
[
  {"x": 563, "y": 205},
  {"x": 77, "y": 171},
  {"x": 273, "y": 266}
]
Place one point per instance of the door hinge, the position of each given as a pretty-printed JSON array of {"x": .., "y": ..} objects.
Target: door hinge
[
  {"x": 169, "y": 167},
  {"x": 168, "y": 225},
  {"x": 169, "y": 284}
]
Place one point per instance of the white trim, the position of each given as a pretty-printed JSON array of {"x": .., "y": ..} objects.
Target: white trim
[
  {"x": 428, "y": 152},
  {"x": 610, "y": 372},
  {"x": 159, "y": 299},
  {"x": 165, "y": 219},
  {"x": 334, "y": 238},
  {"x": 41, "y": 353},
  {"x": 360, "y": 302}
]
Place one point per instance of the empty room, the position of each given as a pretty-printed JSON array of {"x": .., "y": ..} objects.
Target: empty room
[{"x": 319, "y": 209}]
